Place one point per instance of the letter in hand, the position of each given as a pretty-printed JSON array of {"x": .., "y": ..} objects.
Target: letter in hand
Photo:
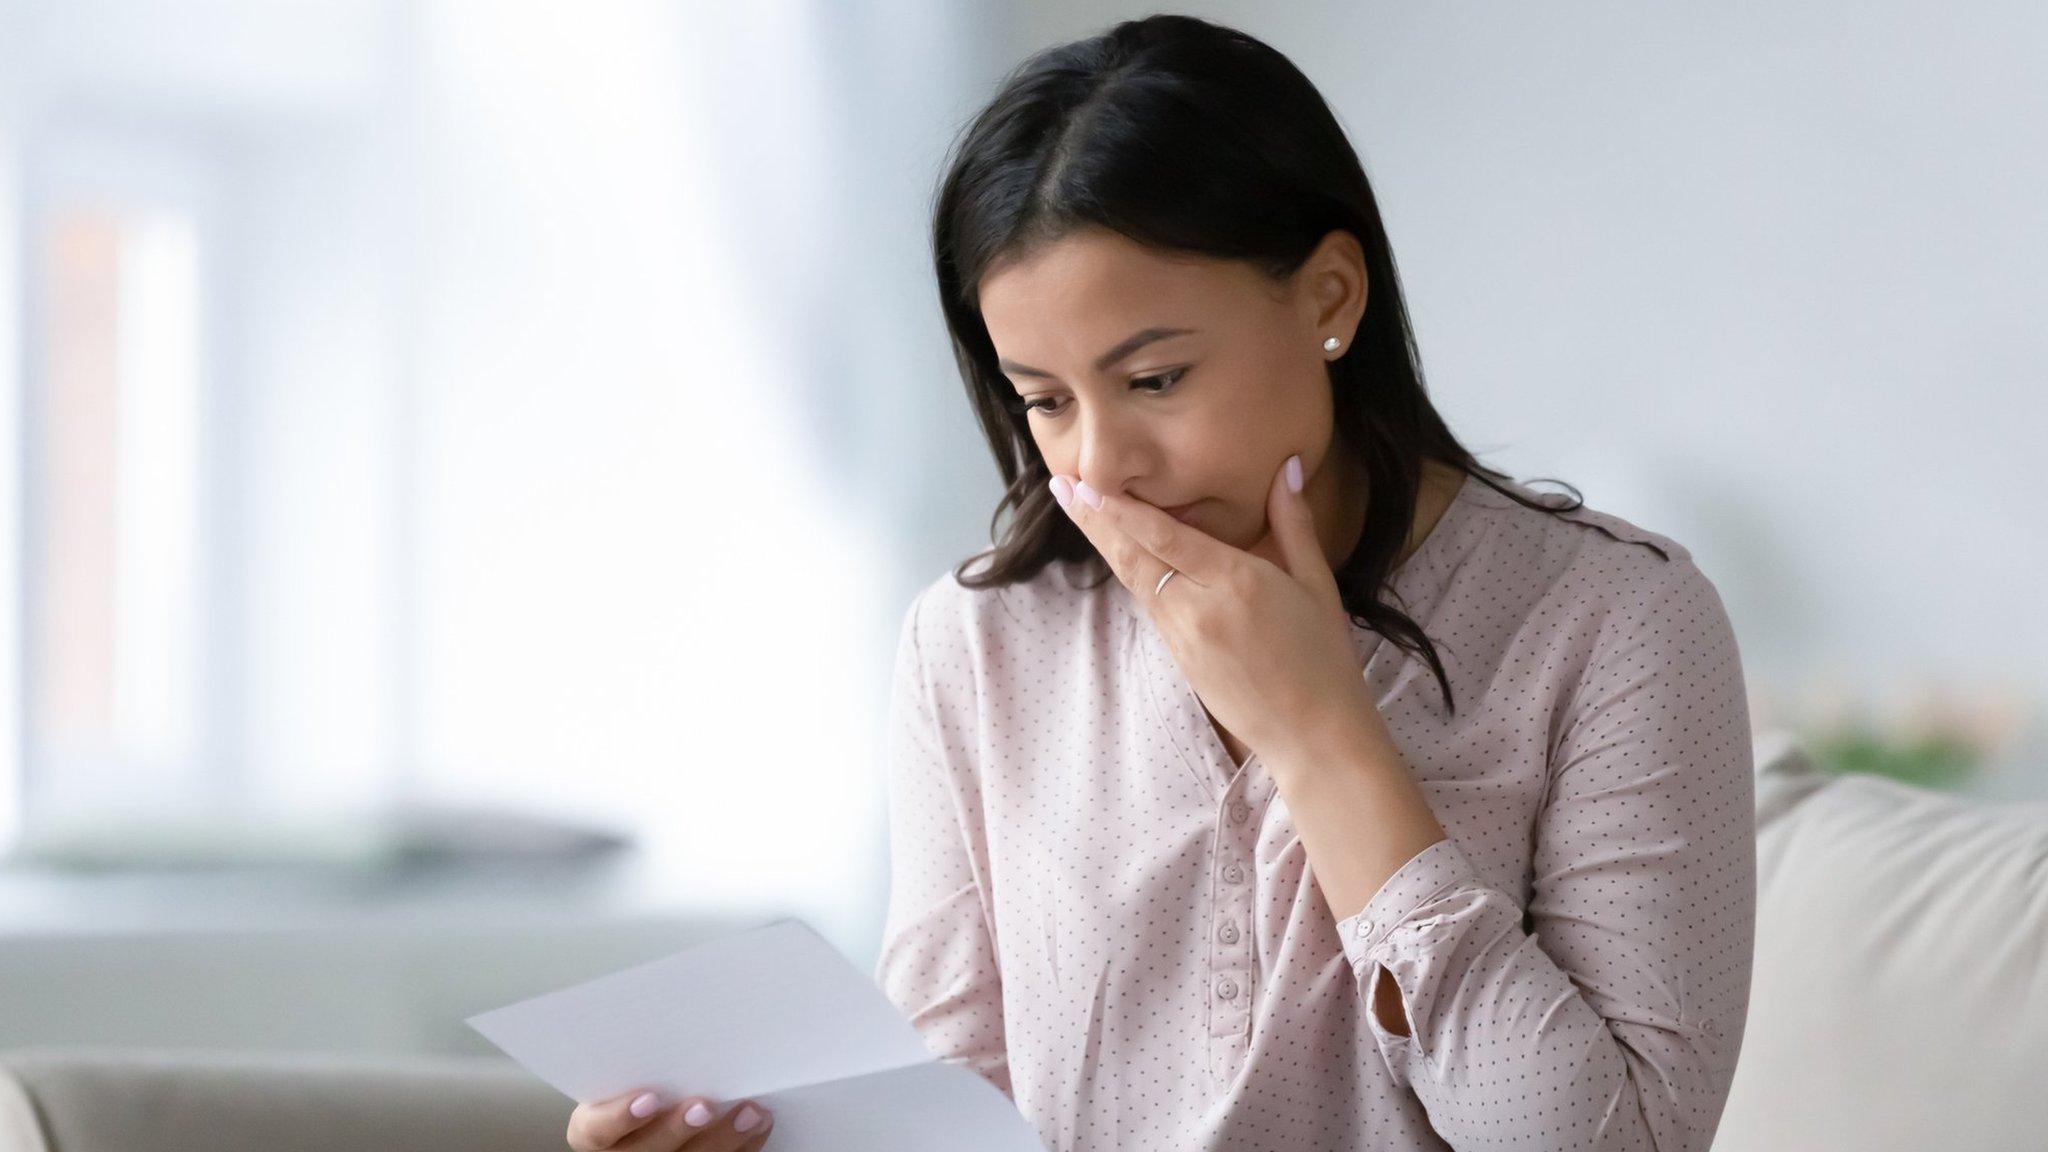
[{"x": 645, "y": 1120}]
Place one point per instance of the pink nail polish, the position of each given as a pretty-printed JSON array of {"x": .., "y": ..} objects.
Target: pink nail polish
[
  {"x": 1093, "y": 497},
  {"x": 644, "y": 1105},
  {"x": 746, "y": 1120},
  {"x": 698, "y": 1115},
  {"x": 1062, "y": 491},
  {"x": 1294, "y": 473}
]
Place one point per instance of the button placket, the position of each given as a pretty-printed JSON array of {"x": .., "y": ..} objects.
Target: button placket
[
  {"x": 1233, "y": 979},
  {"x": 1230, "y": 967}
]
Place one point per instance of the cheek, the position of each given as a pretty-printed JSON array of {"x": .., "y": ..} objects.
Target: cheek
[
  {"x": 1259, "y": 409},
  {"x": 1288, "y": 418},
  {"x": 1249, "y": 445},
  {"x": 1059, "y": 459},
  {"x": 1237, "y": 443}
]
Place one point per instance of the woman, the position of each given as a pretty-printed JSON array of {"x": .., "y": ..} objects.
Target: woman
[
  {"x": 1198, "y": 841},
  {"x": 1283, "y": 778}
]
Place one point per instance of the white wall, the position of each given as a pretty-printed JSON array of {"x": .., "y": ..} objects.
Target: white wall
[{"x": 11, "y": 766}]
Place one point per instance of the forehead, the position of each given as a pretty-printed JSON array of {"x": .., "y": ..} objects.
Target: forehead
[{"x": 1096, "y": 281}]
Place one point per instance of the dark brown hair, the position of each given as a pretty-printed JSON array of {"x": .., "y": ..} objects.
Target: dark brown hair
[{"x": 1189, "y": 137}]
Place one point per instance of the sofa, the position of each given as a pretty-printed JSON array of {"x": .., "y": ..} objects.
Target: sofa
[
  {"x": 1900, "y": 993},
  {"x": 1900, "y": 1001},
  {"x": 115, "y": 1100}
]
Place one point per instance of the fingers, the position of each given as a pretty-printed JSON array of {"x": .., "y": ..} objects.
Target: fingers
[
  {"x": 1135, "y": 565},
  {"x": 1292, "y": 529},
  {"x": 601, "y": 1125},
  {"x": 725, "y": 1136},
  {"x": 711, "y": 1130}
]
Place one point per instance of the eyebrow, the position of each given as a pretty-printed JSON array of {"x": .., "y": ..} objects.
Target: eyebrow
[{"x": 1107, "y": 360}]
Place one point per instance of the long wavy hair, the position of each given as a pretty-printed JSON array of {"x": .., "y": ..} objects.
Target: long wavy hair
[{"x": 1190, "y": 137}]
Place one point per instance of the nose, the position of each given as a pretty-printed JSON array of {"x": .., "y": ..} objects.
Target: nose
[{"x": 1113, "y": 449}]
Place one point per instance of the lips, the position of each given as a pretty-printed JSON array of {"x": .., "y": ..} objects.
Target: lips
[{"x": 1179, "y": 511}]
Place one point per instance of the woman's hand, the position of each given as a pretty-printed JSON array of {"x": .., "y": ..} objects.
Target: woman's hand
[
  {"x": 1261, "y": 635},
  {"x": 691, "y": 1123}
]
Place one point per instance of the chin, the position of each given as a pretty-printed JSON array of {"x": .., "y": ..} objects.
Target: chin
[
  {"x": 1215, "y": 520},
  {"x": 1233, "y": 536}
]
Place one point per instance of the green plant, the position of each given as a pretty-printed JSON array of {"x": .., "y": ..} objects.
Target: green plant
[{"x": 1939, "y": 760}]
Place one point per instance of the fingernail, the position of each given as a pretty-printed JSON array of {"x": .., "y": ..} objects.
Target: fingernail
[
  {"x": 644, "y": 1105},
  {"x": 1294, "y": 473},
  {"x": 1093, "y": 497},
  {"x": 698, "y": 1115},
  {"x": 746, "y": 1120},
  {"x": 1062, "y": 491}
]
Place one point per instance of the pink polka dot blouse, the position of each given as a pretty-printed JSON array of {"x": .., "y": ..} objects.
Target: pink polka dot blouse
[{"x": 1095, "y": 908}]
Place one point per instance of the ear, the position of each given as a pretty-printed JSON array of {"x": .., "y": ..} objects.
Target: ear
[{"x": 1336, "y": 285}]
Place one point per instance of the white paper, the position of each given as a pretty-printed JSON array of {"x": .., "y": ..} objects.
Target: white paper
[{"x": 774, "y": 1014}]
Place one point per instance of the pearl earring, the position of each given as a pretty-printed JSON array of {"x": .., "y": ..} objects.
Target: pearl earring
[{"x": 1330, "y": 345}]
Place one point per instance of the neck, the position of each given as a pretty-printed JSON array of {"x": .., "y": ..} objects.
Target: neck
[{"x": 1351, "y": 494}]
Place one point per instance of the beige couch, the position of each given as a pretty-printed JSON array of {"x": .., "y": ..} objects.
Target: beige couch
[
  {"x": 1900, "y": 1001},
  {"x": 102, "y": 1100},
  {"x": 1900, "y": 995}
]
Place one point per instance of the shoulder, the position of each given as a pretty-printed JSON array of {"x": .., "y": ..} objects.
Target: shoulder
[
  {"x": 1620, "y": 530},
  {"x": 1053, "y": 594},
  {"x": 1578, "y": 540},
  {"x": 1600, "y": 566},
  {"x": 1651, "y": 603},
  {"x": 1633, "y": 624},
  {"x": 1582, "y": 525},
  {"x": 981, "y": 627},
  {"x": 1631, "y": 570}
]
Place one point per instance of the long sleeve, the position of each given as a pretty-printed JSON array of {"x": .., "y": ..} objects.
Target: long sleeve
[
  {"x": 1610, "y": 1016},
  {"x": 938, "y": 959}
]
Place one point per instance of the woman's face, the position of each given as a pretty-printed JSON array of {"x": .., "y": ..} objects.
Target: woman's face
[{"x": 1183, "y": 380}]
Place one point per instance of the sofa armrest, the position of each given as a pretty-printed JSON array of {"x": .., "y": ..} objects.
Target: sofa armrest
[{"x": 125, "y": 1100}]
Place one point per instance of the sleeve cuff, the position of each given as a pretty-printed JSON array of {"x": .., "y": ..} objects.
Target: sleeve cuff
[{"x": 1429, "y": 872}]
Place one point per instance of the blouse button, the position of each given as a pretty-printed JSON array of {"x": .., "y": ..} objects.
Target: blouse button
[
  {"x": 1226, "y": 988},
  {"x": 1232, "y": 874},
  {"x": 1229, "y": 934},
  {"x": 1240, "y": 812}
]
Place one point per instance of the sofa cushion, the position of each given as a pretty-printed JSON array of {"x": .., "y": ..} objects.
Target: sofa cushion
[
  {"x": 128, "y": 1100},
  {"x": 1900, "y": 992}
]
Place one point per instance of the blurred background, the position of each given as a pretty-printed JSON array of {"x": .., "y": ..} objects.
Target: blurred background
[{"x": 466, "y": 464}]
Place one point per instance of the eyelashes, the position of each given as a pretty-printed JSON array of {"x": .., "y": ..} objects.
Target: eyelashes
[{"x": 1164, "y": 381}]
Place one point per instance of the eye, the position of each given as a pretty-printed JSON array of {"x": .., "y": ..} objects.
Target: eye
[
  {"x": 1165, "y": 380},
  {"x": 1155, "y": 385}
]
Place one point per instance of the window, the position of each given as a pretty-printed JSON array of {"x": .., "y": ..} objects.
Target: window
[{"x": 112, "y": 668}]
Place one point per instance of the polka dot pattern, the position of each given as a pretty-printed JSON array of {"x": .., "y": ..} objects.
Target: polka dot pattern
[{"x": 1094, "y": 907}]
